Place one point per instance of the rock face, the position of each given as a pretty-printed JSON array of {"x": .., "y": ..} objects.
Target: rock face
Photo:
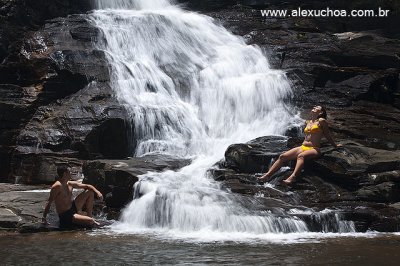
[
  {"x": 56, "y": 105},
  {"x": 19, "y": 16}
]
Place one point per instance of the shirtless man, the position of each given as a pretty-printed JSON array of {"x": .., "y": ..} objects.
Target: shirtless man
[{"x": 70, "y": 211}]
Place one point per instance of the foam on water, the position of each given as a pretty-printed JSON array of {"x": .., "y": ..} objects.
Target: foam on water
[
  {"x": 36, "y": 191},
  {"x": 207, "y": 236}
]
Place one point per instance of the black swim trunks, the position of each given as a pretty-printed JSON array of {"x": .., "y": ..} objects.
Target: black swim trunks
[{"x": 67, "y": 216}]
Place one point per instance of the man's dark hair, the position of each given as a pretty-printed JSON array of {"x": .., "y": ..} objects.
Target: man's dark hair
[{"x": 60, "y": 171}]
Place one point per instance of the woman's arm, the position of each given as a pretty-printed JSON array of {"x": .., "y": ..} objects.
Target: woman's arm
[{"x": 327, "y": 133}]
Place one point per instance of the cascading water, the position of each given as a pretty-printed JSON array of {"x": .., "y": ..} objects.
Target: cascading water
[{"x": 192, "y": 88}]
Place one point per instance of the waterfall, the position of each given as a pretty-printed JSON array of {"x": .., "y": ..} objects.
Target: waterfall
[{"x": 192, "y": 88}]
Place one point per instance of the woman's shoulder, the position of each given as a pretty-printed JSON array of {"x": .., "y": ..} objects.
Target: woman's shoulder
[{"x": 322, "y": 121}]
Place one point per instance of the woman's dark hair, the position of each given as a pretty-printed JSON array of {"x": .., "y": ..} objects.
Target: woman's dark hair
[
  {"x": 323, "y": 115},
  {"x": 60, "y": 171}
]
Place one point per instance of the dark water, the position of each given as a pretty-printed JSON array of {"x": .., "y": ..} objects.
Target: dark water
[{"x": 98, "y": 249}]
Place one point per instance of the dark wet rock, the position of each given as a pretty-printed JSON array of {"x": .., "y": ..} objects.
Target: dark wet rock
[
  {"x": 39, "y": 167},
  {"x": 356, "y": 51},
  {"x": 52, "y": 54},
  {"x": 69, "y": 134},
  {"x": 348, "y": 164},
  {"x": 363, "y": 123},
  {"x": 36, "y": 228},
  {"x": 38, "y": 11},
  {"x": 383, "y": 192},
  {"x": 355, "y": 84},
  {"x": 8, "y": 219},
  {"x": 57, "y": 103},
  {"x": 15, "y": 106},
  {"x": 372, "y": 216},
  {"x": 19, "y": 16},
  {"x": 115, "y": 178},
  {"x": 256, "y": 155}
]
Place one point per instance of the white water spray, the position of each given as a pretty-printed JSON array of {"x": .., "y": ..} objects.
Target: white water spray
[{"x": 192, "y": 88}]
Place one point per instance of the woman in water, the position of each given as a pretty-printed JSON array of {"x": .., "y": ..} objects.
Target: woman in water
[{"x": 315, "y": 129}]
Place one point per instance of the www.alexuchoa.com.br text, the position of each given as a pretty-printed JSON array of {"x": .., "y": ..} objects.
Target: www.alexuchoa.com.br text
[{"x": 282, "y": 13}]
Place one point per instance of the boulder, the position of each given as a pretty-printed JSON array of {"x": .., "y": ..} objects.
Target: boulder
[
  {"x": 256, "y": 155},
  {"x": 81, "y": 128},
  {"x": 352, "y": 162},
  {"x": 8, "y": 219},
  {"x": 116, "y": 178},
  {"x": 383, "y": 192}
]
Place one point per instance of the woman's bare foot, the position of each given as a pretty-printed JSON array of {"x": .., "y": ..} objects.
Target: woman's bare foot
[
  {"x": 264, "y": 178},
  {"x": 290, "y": 180},
  {"x": 96, "y": 223}
]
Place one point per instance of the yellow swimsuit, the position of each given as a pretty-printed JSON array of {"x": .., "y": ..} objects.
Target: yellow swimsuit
[{"x": 310, "y": 130}]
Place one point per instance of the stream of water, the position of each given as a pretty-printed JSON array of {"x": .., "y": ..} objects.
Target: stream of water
[
  {"x": 192, "y": 88},
  {"x": 78, "y": 248}
]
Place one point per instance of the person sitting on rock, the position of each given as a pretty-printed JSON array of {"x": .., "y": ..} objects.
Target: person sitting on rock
[
  {"x": 70, "y": 211},
  {"x": 315, "y": 129}
]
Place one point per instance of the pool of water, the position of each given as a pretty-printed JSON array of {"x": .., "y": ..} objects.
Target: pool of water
[{"x": 104, "y": 248}]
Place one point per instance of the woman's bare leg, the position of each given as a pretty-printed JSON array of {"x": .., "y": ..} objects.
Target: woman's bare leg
[
  {"x": 284, "y": 157},
  {"x": 305, "y": 155}
]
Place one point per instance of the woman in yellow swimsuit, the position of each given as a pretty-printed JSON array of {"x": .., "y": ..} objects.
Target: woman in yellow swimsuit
[{"x": 315, "y": 129}]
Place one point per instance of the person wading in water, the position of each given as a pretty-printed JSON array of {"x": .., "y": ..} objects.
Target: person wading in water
[
  {"x": 70, "y": 211},
  {"x": 315, "y": 129}
]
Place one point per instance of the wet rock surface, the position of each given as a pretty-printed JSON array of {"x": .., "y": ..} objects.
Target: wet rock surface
[
  {"x": 56, "y": 105},
  {"x": 19, "y": 16},
  {"x": 21, "y": 208}
]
